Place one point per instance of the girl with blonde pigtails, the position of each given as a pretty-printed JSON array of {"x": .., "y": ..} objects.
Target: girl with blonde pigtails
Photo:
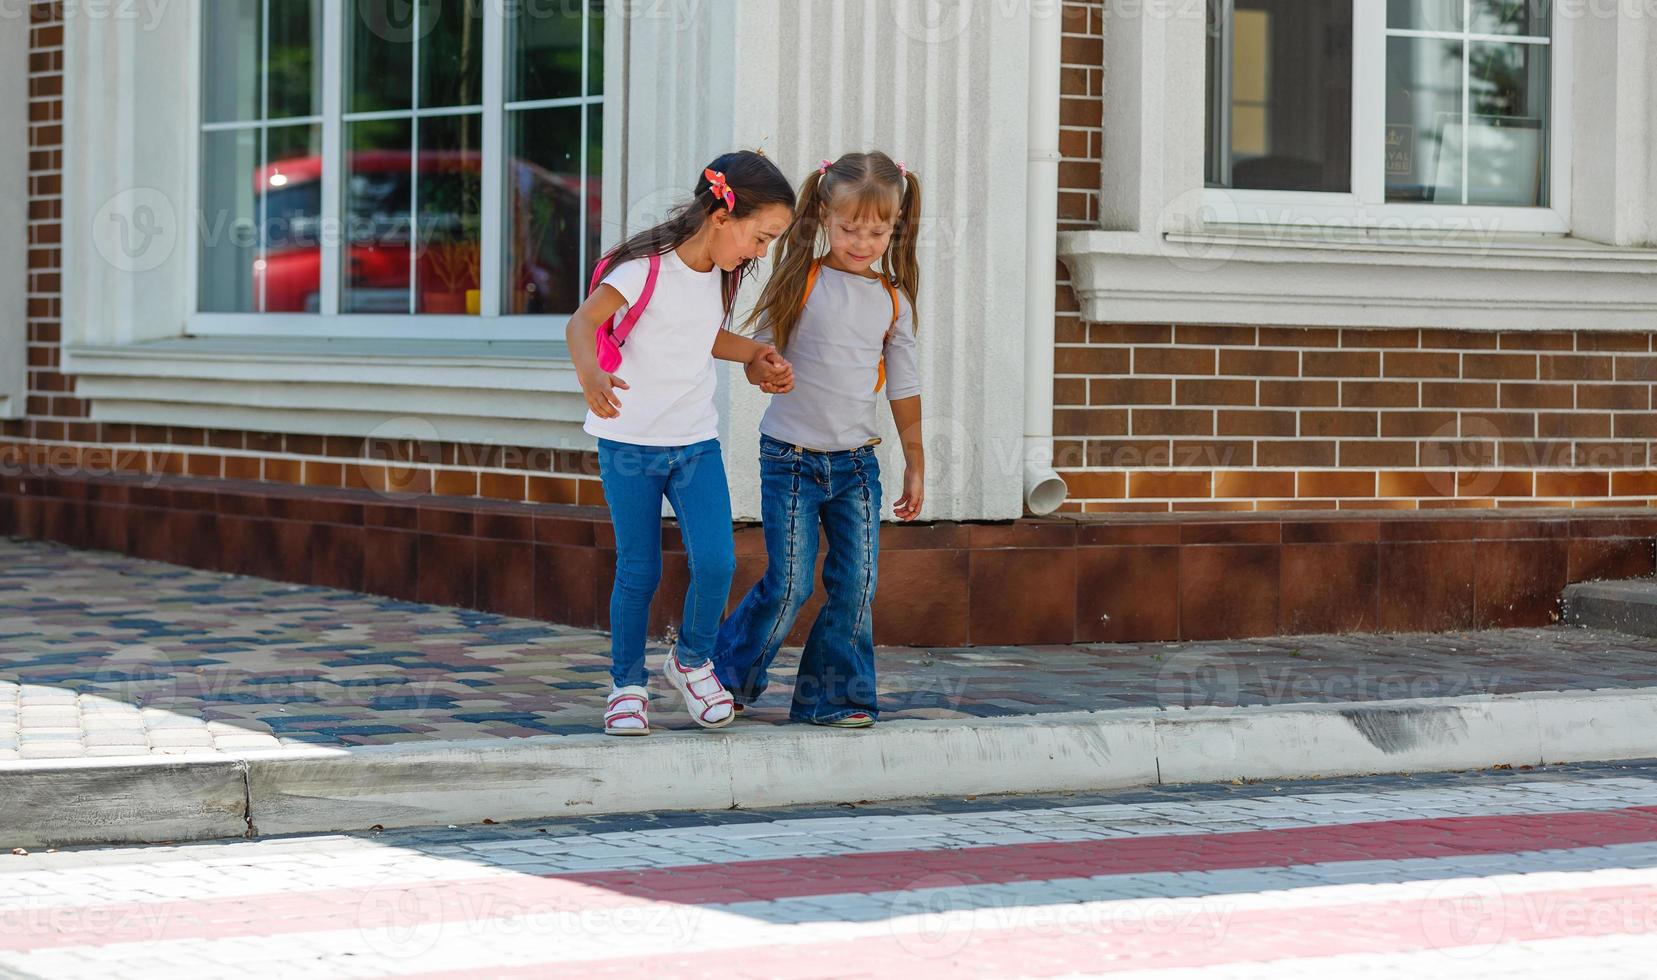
[{"x": 840, "y": 307}]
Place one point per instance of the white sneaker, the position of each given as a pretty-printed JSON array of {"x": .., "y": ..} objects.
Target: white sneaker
[
  {"x": 706, "y": 699},
  {"x": 626, "y": 713}
]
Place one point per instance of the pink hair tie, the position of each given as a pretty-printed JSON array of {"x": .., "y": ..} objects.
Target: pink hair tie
[
  {"x": 824, "y": 168},
  {"x": 720, "y": 189},
  {"x": 903, "y": 169}
]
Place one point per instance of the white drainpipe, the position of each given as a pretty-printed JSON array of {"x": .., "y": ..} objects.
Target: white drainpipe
[{"x": 1044, "y": 490}]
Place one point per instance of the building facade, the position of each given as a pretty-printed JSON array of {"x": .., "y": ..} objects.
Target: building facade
[{"x": 294, "y": 283}]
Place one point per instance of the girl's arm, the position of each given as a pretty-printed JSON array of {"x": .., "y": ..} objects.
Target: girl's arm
[
  {"x": 597, "y": 384},
  {"x": 906, "y": 412}
]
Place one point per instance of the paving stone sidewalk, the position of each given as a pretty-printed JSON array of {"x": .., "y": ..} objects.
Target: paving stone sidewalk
[{"x": 104, "y": 655}]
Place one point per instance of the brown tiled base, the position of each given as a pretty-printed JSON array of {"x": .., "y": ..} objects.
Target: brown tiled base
[{"x": 1125, "y": 578}]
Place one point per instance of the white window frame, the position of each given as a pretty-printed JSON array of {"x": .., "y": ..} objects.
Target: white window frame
[
  {"x": 491, "y": 324},
  {"x": 1366, "y": 207}
]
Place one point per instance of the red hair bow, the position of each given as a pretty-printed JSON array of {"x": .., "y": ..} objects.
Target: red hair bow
[{"x": 721, "y": 190}]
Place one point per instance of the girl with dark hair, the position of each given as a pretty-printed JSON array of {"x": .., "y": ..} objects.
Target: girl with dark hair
[{"x": 672, "y": 289}]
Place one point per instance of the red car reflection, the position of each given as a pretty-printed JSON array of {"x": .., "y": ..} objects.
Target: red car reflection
[{"x": 542, "y": 244}]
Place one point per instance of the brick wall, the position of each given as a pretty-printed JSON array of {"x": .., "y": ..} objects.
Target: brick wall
[
  {"x": 57, "y": 436},
  {"x": 1153, "y": 417}
]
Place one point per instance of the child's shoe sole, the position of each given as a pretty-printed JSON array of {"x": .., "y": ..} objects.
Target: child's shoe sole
[{"x": 850, "y": 721}]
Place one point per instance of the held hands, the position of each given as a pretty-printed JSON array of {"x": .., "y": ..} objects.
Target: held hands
[
  {"x": 908, "y": 506},
  {"x": 599, "y": 387},
  {"x": 768, "y": 370}
]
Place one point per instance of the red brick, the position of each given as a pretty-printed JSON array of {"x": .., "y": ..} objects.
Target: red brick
[
  {"x": 1537, "y": 395},
  {"x": 1130, "y": 391},
  {"x": 1580, "y": 484},
  {"x": 1300, "y": 394},
  {"x": 1377, "y": 453},
  {"x": 1130, "y": 333},
  {"x": 1179, "y": 484},
  {"x": 1090, "y": 422},
  {"x": 1212, "y": 454},
  {"x": 1380, "y": 338},
  {"x": 1457, "y": 394},
  {"x": 1417, "y": 424},
  {"x": 1298, "y": 337},
  {"x": 1421, "y": 364},
  {"x": 1573, "y": 425},
  {"x": 1380, "y": 394},
  {"x": 1458, "y": 339},
  {"x": 1253, "y": 483},
  {"x": 1172, "y": 360},
  {"x": 1294, "y": 452},
  {"x": 1555, "y": 340},
  {"x": 1129, "y": 453},
  {"x": 1172, "y": 422},
  {"x": 1504, "y": 366},
  {"x": 1230, "y": 422},
  {"x": 1090, "y": 360},
  {"x": 1215, "y": 392},
  {"x": 1320, "y": 424},
  {"x": 1214, "y": 336},
  {"x": 1340, "y": 364},
  {"x": 1335, "y": 483}
]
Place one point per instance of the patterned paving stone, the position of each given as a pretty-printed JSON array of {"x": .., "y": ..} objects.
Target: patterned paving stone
[{"x": 95, "y": 647}]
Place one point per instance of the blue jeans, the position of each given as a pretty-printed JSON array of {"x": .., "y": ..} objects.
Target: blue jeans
[
  {"x": 692, "y": 478},
  {"x": 800, "y": 491}
]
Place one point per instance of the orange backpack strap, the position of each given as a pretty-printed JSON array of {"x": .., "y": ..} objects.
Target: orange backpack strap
[
  {"x": 811, "y": 282},
  {"x": 897, "y": 311}
]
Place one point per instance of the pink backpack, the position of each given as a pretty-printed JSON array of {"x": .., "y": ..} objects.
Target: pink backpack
[{"x": 610, "y": 336}]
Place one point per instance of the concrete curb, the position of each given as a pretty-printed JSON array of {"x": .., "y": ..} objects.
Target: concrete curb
[
  {"x": 414, "y": 784},
  {"x": 1625, "y": 606}
]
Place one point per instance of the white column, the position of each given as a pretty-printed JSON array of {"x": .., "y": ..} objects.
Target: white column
[
  {"x": 128, "y": 177},
  {"x": 14, "y": 176},
  {"x": 1613, "y": 97}
]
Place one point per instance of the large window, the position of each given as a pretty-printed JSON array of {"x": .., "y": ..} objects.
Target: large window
[
  {"x": 397, "y": 167},
  {"x": 1362, "y": 111}
]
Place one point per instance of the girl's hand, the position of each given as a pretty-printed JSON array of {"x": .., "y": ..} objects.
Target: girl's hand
[
  {"x": 908, "y": 506},
  {"x": 768, "y": 370},
  {"x": 599, "y": 387}
]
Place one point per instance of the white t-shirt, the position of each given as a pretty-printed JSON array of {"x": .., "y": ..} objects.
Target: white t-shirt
[{"x": 667, "y": 360}]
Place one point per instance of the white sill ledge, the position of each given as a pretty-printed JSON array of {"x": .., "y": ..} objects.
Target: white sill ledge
[
  {"x": 1316, "y": 277},
  {"x": 511, "y": 392}
]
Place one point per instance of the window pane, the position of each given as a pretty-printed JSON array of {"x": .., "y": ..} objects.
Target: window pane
[
  {"x": 544, "y": 189},
  {"x": 1423, "y": 120},
  {"x": 295, "y": 72},
  {"x": 291, "y": 183},
  {"x": 1425, "y": 15},
  {"x": 450, "y": 193},
  {"x": 377, "y": 185},
  {"x": 595, "y": 185},
  {"x": 229, "y": 220},
  {"x": 546, "y": 52},
  {"x": 381, "y": 55},
  {"x": 1281, "y": 109},
  {"x": 1508, "y": 149},
  {"x": 231, "y": 41},
  {"x": 1519, "y": 17},
  {"x": 451, "y": 52},
  {"x": 595, "y": 47}
]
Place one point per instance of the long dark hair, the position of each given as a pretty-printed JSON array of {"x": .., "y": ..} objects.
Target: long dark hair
[
  {"x": 867, "y": 184},
  {"x": 757, "y": 183}
]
